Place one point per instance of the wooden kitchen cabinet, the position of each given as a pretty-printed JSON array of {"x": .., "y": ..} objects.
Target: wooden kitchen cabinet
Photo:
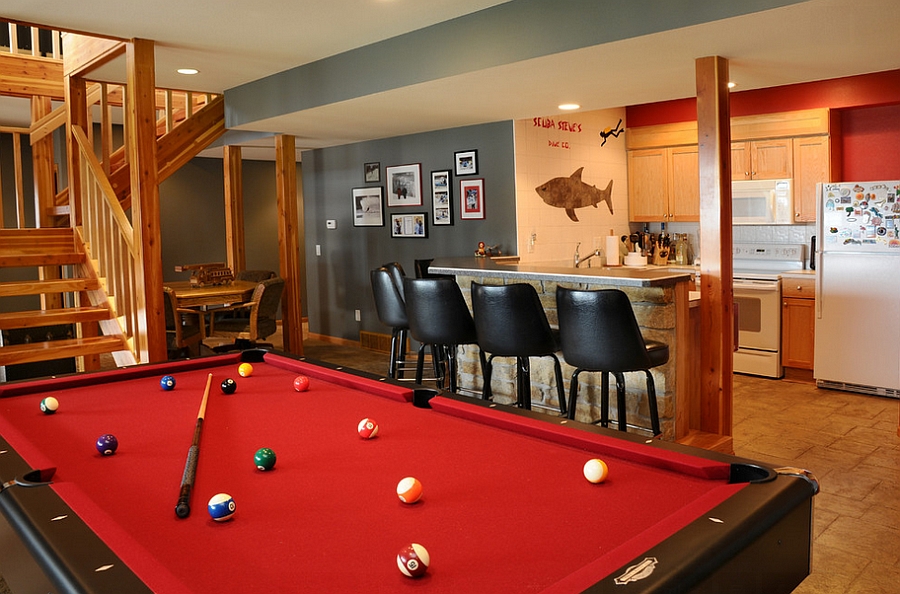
[
  {"x": 664, "y": 184},
  {"x": 812, "y": 165},
  {"x": 762, "y": 159},
  {"x": 798, "y": 326}
]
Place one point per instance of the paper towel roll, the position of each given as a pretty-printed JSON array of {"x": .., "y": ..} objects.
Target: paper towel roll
[{"x": 612, "y": 250}]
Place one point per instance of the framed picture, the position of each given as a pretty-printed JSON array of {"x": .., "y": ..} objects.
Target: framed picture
[
  {"x": 441, "y": 198},
  {"x": 368, "y": 207},
  {"x": 408, "y": 225},
  {"x": 372, "y": 172},
  {"x": 404, "y": 183},
  {"x": 466, "y": 162},
  {"x": 471, "y": 199}
]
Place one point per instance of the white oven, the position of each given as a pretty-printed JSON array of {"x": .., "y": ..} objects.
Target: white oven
[{"x": 757, "y": 298}]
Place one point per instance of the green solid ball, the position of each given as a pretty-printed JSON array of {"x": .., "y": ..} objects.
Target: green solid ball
[{"x": 264, "y": 459}]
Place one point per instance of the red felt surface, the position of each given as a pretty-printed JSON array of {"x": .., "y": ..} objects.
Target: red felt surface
[{"x": 501, "y": 511}]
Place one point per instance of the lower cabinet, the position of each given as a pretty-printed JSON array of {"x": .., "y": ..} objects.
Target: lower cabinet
[{"x": 798, "y": 324}]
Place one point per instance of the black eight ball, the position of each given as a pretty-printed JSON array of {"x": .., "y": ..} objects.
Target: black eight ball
[{"x": 229, "y": 386}]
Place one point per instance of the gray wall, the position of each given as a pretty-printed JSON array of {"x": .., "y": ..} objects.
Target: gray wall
[
  {"x": 192, "y": 213},
  {"x": 338, "y": 280}
]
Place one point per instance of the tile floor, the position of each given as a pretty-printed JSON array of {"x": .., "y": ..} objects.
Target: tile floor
[{"x": 848, "y": 440}]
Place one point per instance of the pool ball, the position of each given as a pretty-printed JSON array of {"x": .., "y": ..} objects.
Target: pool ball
[
  {"x": 409, "y": 490},
  {"x": 49, "y": 405},
  {"x": 264, "y": 458},
  {"x": 107, "y": 444},
  {"x": 595, "y": 470},
  {"x": 221, "y": 507},
  {"x": 167, "y": 382},
  {"x": 413, "y": 560},
  {"x": 245, "y": 370},
  {"x": 229, "y": 386},
  {"x": 301, "y": 383},
  {"x": 367, "y": 428}
]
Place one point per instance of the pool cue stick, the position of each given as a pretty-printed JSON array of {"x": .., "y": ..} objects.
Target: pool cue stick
[{"x": 183, "y": 508}]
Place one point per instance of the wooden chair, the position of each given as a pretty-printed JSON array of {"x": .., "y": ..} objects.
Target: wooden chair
[
  {"x": 184, "y": 327},
  {"x": 259, "y": 325}
]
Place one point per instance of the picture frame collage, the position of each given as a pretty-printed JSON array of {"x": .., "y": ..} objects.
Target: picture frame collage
[{"x": 403, "y": 186}]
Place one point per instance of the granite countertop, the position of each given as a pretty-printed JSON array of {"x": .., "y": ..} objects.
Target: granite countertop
[{"x": 639, "y": 276}]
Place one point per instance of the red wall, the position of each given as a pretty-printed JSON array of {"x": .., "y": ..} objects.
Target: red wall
[{"x": 870, "y": 117}]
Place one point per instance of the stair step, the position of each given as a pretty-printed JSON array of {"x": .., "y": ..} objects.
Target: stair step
[
  {"x": 52, "y": 317},
  {"x": 37, "y": 287},
  {"x": 47, "y": 246},
  {"x": 60, "y": 349},
  {"x": 45, "y": 258}
]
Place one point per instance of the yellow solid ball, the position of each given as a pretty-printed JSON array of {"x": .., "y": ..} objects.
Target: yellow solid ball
[
  {"x": 595, "y": 470},
  {"x": 245, "y": 370}
]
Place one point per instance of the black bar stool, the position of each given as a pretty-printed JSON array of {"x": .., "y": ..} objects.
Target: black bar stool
[
  {"x": 510, "y": 322},
  {"x": 600, "y": 333},
  {"x": 439, "y": 318},
  {"x": 391, "y": 310}
]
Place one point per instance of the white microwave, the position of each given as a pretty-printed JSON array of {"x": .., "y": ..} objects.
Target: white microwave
[{"x": 762, "y": 202}]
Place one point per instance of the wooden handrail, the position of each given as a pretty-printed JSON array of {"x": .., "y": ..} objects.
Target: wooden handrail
[{"x": 109, "y": 241}]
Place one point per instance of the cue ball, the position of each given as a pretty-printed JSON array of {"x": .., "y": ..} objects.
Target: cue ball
[
  {"x": 245, "y": 370},
  {"x": 367, "y": 428},
  {"x": 409, "y": 490},
  {"x": 228, "y": 386},
  {"x": 221, "y": 507},
  {"x": 49, "y": 405},
  {"x": 301, "y": 383},
  {"x": 595, "y": 470},
  {"x": 167, "y": 382},
  {"x": 413, "y": 560},
  {"x": 264, "y": 458},
  {"x": 107, "y": 444}
]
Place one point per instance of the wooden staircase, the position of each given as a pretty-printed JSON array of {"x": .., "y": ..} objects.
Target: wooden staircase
[{"x": 53, "y": 249}]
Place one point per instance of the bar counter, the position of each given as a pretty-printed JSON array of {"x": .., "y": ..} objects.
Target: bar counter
[{"x": 661, "y": 299}]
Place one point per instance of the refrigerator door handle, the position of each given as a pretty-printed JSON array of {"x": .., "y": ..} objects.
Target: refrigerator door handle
[{"x": 820, "y": 271}]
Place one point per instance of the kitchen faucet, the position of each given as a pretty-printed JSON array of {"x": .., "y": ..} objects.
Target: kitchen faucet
[{"x": 579, "y": 260}]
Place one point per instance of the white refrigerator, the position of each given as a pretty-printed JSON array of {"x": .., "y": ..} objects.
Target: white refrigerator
[{"x": 858, "y": 287}]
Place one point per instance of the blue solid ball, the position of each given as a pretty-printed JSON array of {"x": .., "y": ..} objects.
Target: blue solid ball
[
  {"x": 167, "y": 382},
  {"x": 107, "y": 444},
  {"x": 221, "y": 507}
]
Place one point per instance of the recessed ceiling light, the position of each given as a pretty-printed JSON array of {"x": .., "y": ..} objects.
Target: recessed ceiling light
[
  {"x": 569, "y": 106},
  {"x": 188, "y": 71},
  {"x": 732, "y": 85}
]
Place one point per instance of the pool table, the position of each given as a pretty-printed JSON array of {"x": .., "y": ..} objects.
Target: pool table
[{"x": 506, "y": 507}]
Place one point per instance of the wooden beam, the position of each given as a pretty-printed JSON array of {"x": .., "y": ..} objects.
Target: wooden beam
[
  {"x": 717, "y": 295},
  {"x": 289, "y": 242},
  {"x": 26, "y": 76},
  {"x": 76, "y": 99},
  {"x": 82, "y": 53},
  {"x": 19, "y": 181},
  {"x": 42, "y": 166},
  {"x": 140, "y": 116},
  {"x": 234, "y": 209}
]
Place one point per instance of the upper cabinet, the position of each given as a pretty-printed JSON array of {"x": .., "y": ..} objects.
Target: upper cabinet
[
  {"x": 761, "y": 159},
  {"x": 663, "y": 166}
]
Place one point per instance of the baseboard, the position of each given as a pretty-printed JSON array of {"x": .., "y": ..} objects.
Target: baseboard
[{"x": 334, "y": 340}]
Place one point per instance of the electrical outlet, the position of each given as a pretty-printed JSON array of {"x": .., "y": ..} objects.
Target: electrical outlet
[{"x": 358, "y": 315}]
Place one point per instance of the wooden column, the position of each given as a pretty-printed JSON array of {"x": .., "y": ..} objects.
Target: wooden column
[
  {"x": 289, "y": 243},
  {"x": 76, "y": 115},
  {"x": 234, "y": 209},
  {"x": 717, "y": 297},
  {"x": 20, "y": 180},
  {"x": 140, "y": 115},
  {"x": 42, "y": 164}
]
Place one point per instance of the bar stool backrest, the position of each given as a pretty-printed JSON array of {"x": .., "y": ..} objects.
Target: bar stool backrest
[
  {"x": 389, "y": 304},
  {"x": 598, "y": 330},
  {"x": 437, "y": 312},
  {"x": 510, "y": 321}
]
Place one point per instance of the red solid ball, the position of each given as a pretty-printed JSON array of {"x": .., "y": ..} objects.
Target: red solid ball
[
  {"x": 413, "y": 560},
  {"x": 301, "y": 383}
]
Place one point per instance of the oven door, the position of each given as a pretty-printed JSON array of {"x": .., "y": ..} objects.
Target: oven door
[
  {"x": 758, "y": 305},
  {"x": 759, "y": 314}
]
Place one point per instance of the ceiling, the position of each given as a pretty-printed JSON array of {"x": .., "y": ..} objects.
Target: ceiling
[{"x": 236, "y": 42}]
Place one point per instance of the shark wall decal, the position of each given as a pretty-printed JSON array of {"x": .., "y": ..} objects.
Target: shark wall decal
[{"x": 571, "y": 193}]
